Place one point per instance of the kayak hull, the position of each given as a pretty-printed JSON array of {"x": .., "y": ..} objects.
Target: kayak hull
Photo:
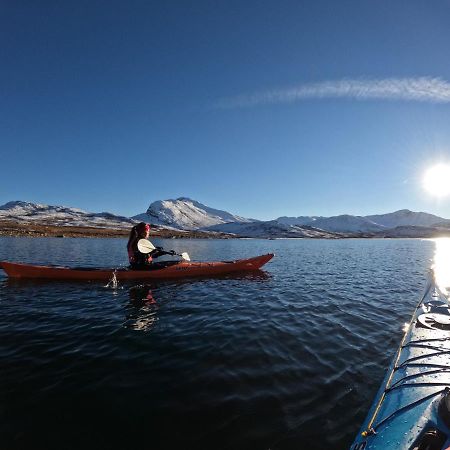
[
  {"x": 412, "y": 407},
  {"x": 180, "y": 270}
]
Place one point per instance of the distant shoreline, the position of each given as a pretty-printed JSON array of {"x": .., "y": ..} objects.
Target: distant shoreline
[
  {"x": 30, "y": 229},
  {"x": 17, "y": 229}
]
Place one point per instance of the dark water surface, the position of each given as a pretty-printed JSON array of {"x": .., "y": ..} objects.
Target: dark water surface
[{"x": 287, "y": 360}]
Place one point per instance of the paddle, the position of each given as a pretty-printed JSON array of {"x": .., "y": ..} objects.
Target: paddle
[
  {"x": 185, "y": 256},
  {"x": 145, "y": 246}
]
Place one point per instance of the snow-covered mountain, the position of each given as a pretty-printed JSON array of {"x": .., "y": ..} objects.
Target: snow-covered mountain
[
  {"x": 410, "y": 231},
  {"x": 272, "y": 229},
  {"x": 347, "y": 224},
  {"x": 61, "y": 215},
  {"x": 367, "y": 224},
  {"x": 405, "y": 217},
  {"x": 344, "y": 223},
  {"x": 186, "y": 214},
  {"x": 301, "y": 220}
]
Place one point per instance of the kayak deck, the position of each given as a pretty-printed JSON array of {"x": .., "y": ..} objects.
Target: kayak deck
[
  {"x": 177, "y": 270},
  {"x": 412, "y": 407}
]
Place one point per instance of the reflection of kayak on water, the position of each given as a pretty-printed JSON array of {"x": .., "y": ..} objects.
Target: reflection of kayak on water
[
  {"x": 173, "y": 269},
  {"x": 142, "y": 313},
  {"x": 141, "y": 295}
]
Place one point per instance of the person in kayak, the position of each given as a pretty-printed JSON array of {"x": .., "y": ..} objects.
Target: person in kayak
[{"x": 137, "y": 259}]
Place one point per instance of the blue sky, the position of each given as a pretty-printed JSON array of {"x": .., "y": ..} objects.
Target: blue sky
[{"x": 259, "y": 108}]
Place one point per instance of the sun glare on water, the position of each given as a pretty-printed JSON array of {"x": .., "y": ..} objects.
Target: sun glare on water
[
  {"x": 441, "y": 263},
  {"x": 437, "y": 180}
]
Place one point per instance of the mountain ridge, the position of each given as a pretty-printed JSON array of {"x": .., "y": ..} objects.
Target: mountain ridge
[
  {"x": 29, "y": 212},
  {"x": 186, "y": 214}
]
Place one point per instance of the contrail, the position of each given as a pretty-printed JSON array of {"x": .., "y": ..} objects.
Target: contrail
[{"x": 422, "y": 89}]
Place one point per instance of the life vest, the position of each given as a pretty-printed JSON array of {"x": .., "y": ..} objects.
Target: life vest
[{"x": 135, "y": 256}]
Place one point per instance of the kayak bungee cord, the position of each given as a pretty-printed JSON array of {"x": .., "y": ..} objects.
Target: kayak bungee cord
[
  {"x": 420, "y": 341},
  {"x": 442, "y": 366},
  {"x": 416, "y": 358},
  {"x": 412, "y": 385},
  {"x": 406, "y": 407},
  {"x": 398, "y": 384},
  {"x": 370, "y": 428}
]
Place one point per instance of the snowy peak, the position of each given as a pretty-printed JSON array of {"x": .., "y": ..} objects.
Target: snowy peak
[
  {"x": 186, "y": 214},
  {"x": 60, "y": 215},
  {"x": 21, "y": 208},
  {"x": 367, "y": 224},
  {"x": 405, "y": 217},
  {"x": 344, "y": 223},
  {"x": 301, "y": 220},
  {"x": 18, "y": 204},
  {"x": 347, "y": 223},
  {"x": 272, "y": 229}
]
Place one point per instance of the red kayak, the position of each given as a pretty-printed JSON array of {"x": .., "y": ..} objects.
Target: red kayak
[{"x": 176, "y": 270}]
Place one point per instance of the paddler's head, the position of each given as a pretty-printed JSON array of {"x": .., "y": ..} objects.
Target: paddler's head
[{"x": 143, "y": 230}]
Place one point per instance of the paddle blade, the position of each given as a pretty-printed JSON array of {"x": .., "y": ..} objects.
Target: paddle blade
[
  {"x": 145, "y": 246},
  {"x": 185, "y": 256}
]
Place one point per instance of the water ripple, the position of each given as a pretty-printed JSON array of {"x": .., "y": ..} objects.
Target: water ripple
[{"x": 291, "y": 359}]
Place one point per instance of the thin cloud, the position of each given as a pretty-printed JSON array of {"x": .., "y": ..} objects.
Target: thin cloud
[{"x": 423, "y": 89}]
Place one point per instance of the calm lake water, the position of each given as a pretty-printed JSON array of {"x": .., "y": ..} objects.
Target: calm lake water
[{"x": 288, "y": 359}]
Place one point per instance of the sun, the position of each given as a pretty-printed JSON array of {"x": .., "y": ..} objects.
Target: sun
[{"x": 437, "y": 180}]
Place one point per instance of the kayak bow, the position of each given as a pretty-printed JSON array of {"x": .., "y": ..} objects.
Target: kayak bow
[
  {"x": 178, "y": 270},
  {"x": 412, "y": 407}
]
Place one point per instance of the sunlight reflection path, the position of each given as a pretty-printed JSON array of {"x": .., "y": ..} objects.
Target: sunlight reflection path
[{"x": 441, "y": 264}]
